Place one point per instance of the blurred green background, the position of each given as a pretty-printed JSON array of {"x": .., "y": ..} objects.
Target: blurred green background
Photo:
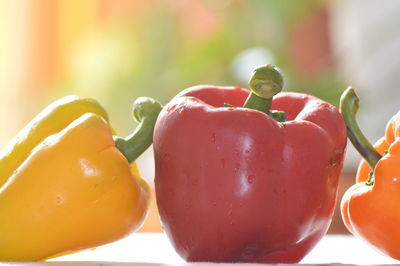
[{"x": 116, "y": 51}]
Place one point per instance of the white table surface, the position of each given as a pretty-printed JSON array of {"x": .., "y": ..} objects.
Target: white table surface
[{"x": 155, "y": 249}]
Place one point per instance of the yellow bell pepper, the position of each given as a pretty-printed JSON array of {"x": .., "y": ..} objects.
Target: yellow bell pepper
[{"x": 67, "y": 184}]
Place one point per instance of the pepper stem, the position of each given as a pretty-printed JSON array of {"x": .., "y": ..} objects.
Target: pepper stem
[
  {"x": 258, "y": 103},
  {"x": 145, "y": 111},
  {"x": 349, "y": 103},
  {"x": 264, "y": 84}
]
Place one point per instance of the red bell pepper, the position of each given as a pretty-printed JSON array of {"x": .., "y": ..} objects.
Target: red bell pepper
[{"x": 235, "y": 185}]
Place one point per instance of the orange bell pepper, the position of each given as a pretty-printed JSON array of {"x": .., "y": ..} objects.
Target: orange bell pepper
[
  {"x": 67, "y": 183},
  {"x": 370, "y": 208}
]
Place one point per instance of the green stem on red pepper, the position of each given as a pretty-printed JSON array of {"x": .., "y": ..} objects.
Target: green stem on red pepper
[
  {"x": 145, "y": 111},
  {"x": 349, "y": 103},
  {"x": 264, "y": 84}
]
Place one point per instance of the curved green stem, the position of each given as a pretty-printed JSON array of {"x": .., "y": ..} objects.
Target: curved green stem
[
  {"x": 145, "y": 111},
  {"x": 264, "y": 84},
  {"x": 349, "y": 104}
]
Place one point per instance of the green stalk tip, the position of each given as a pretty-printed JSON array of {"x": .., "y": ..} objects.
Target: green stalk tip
[{"x": 266, "y": 81}]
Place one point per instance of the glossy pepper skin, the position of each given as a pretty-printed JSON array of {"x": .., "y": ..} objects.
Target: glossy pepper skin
[
  {"x": 370, "y": 208},
  {"x": 234, "y": 185},
  {"x": 65, "y": 184}
]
